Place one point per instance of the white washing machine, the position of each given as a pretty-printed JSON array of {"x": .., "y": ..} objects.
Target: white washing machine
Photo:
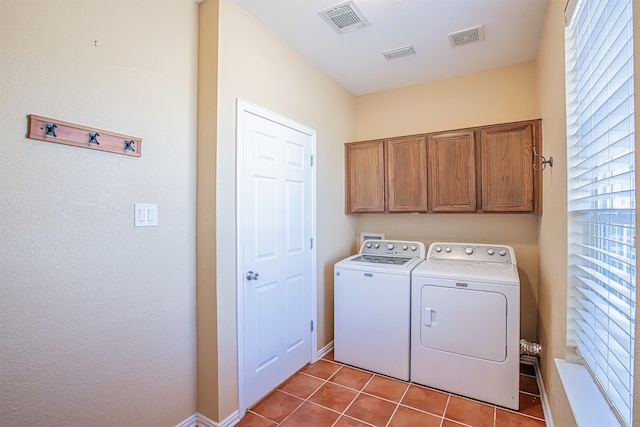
[
  {"x": 372, "y": 306},
  {"x": 465, "y": 322}
]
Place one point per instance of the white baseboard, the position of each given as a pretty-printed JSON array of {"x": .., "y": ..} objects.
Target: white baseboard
[
  {"x": 189, "y": 422},
  {"x": 199, "y": 420},
  {"x": 531, "y": 360},
  {"x": 231, "y": 420},
  {"x": 325, "y": 350}
]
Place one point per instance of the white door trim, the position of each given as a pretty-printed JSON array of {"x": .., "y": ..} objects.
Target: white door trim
[{"x": 243, "y": 106}]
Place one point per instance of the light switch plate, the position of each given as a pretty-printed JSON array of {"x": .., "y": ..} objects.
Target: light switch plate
[{"x": 145, "y": 215}]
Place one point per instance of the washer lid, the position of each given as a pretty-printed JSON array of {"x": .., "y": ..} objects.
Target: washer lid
[
  {"x": 381, "y": 259},
  {"x": 357, "y": 262}
]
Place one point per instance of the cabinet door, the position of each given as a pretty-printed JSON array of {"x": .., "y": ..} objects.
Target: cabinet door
[
  {"x": 364, "y": 177},
  {"x": 407, "y": 174},
  {"x": 452, "y": 172},
  {"x": 507, "y": 168}
]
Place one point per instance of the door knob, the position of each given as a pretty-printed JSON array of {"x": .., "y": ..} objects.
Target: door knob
[{"x": 252, "y": 276}]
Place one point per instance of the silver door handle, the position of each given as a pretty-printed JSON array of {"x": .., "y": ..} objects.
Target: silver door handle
[{"x": 252, "y": 276}]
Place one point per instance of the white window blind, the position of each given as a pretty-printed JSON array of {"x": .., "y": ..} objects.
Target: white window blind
[{"x": 601, "y": 202}]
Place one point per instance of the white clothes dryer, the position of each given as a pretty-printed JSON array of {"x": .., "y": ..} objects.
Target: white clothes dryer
[
  {"x": 372, "y": 306},
  {"x": 465, "y": 322}
]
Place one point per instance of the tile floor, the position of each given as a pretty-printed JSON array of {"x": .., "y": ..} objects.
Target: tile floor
[{"x": 331, "y": 394}]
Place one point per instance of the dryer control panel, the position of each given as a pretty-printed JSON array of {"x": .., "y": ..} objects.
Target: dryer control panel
[{"x": 477, "y": 252}]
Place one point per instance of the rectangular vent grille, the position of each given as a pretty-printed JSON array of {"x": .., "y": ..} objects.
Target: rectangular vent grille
[
  {"x": 468, "y": 36},
  {"x": 344, "y": 17},
  {"x": 399, "y": 52}
]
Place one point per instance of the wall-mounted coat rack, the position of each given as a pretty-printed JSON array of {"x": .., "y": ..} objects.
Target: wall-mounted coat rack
[{"x": 60, "y": 132}]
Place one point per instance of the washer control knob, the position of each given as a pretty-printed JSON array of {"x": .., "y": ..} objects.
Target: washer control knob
[
  {"x": 414, "y": 248},
  {"x": 502, "y": 252},
  {"x": 438, "y": 248},
  {"x": 468, "y": 250},
  {"x": 389, "y": 246},
  {"x": 447, "y": 249},
  {"x": 376, "y": 245},
  {"x": 368, "y": 245},
  {"x": 491, "y": 251},
  {"x": 405, "y": 247}
]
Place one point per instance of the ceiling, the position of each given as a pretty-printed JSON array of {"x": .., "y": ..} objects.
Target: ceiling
[{"x": 355, "y": 59}]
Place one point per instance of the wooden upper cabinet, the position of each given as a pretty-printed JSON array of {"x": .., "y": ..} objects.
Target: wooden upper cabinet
[
  {"x": 364, "y": 177},
  {"x": 452, "y": 172},
  {"x": 406, "y": 174},
  {"x": 509, "y": 182}
]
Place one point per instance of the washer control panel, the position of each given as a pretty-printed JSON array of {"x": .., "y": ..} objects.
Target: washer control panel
[
  {"x": 394, "y": 248},
  {"x": 472, "y": 252}
]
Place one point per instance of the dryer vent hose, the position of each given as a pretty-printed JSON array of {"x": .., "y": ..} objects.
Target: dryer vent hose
[{"x": 530, "y": 348}]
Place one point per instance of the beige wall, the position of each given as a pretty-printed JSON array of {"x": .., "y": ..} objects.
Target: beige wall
[
  {"x": 207, "y": 308},
  {"x": 553, "y": 227},
  {"x": 497, "y": 96},
  {"x": 255, "y": 65},
  {"x": 97, "y": 318}
]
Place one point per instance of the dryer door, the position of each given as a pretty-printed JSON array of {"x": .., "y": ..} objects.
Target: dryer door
[{"x": 464, "y": 321}]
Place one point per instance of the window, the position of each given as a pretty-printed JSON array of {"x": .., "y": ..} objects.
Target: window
[{"x": 601, "y": 201}]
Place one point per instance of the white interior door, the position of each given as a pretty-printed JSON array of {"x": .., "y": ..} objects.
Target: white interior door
[{"x": 276, "y": 265}]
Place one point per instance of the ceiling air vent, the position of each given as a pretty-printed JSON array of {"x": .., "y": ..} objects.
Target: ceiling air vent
[
  {"x": 399, "y": 52},
  {"x": 468, "y": 36},
  {"x": 344, "y": 17}
]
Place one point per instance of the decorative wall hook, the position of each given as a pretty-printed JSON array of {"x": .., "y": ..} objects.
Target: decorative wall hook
[
  {"x": 93, "y": 138},
  {"x": 128, "y": 145},
  {"x": 543, "y": 162},
  {"x": 51, "y": 129}
]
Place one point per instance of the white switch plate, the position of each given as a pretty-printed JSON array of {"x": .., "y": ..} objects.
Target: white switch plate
[{"x": 145, "y": 215}]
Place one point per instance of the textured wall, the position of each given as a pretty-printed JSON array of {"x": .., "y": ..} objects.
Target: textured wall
[
  {"x": 497, "y": 96},
  {"x": 97, "y": 318}
]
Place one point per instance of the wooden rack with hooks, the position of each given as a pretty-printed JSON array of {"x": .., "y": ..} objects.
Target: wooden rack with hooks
[{"x": 51, "y": 130}]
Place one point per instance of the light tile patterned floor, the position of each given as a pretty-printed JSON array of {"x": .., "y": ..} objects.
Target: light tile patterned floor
[{"x": 331, "y": 394}]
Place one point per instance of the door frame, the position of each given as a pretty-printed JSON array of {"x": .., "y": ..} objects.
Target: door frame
[{"x": 243, "y": 107}]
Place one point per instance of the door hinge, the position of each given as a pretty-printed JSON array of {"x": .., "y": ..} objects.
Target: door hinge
[
  {"x": 312, "y": 326},
  {"x": 311, "y": 243},
  {"x": 311, "y": 160}
]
